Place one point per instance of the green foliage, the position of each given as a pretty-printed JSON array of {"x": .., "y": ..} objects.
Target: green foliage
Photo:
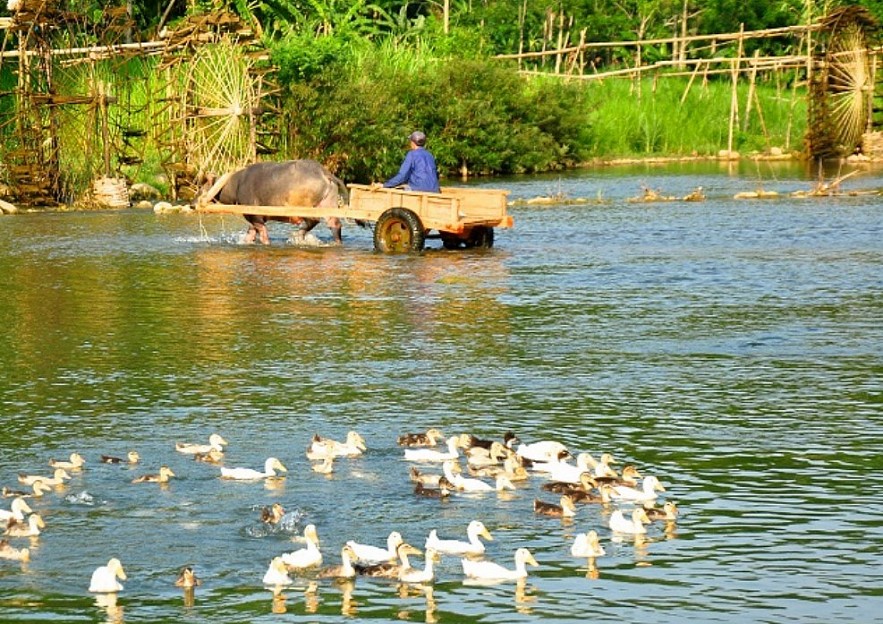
[
  {"x": 305, "y": 57},
  {"x": 479, "y": 114}
]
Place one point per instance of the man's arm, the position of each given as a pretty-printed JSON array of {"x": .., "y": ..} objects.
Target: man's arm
[{"x": 404, "y": 173}]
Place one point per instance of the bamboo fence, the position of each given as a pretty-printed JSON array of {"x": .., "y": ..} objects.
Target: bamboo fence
[{"x": 720, "y": 54}]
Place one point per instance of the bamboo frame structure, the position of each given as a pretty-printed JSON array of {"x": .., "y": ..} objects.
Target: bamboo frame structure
[{"x": 836, "y": 59}]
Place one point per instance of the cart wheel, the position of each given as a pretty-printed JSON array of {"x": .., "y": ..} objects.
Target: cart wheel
[
  {"x": 398, "y": 230},
  {"x": 481, "y": 236},
  {"x": 452, "y": 241}
]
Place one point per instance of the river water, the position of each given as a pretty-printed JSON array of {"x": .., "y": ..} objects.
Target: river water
[{"x": 732, "y": 348}]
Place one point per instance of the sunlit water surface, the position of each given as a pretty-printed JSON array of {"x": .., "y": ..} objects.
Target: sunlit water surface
[{"x": 732, "y": 348}]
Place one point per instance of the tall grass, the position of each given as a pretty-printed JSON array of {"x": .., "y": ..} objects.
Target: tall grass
[{"x": 670, "y": 119}]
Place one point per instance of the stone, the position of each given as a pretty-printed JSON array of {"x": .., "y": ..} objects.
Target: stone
[{"x": 7, "y": 208}]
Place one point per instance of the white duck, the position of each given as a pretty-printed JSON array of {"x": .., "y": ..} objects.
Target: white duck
[
  {"x": 374, "y": 554},
  {"x": 474, "y": 546},
  {"x": 76, "y": 462},
  {"x": 587, "y": 545},
  {"x": 425, "y": 454},
  {"x": 620, "y": 524},
  {"x": 602, "y": 466},
  {"x": 104, "y": 578},
  {"x": 568, "y": 473},
  {"x": 215, "y": 441},
  {"x": 58, "y": 478},
  {"x": 305, "y": 557},
  {"x": 549, "y": 465},
  {"x": 17, "y": 511},
  {"x": 488, "y": 570},
  {"x": 320, "y": 448},
  {"x": 650, "y": 485},
  {"x": 277, "y": 573},
  {"x": 465, "y": 484},
  {"x": 544, "y": 451},
  {"x": 249, "y": 474},
  {"x": 416, "y": 575},
  {"x": 29, "y": 528}
]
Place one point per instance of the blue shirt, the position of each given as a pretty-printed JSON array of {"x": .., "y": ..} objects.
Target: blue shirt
[{"x": 418, "y": 171}]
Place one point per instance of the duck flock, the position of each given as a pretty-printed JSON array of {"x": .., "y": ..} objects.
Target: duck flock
[{"x": 439, "y": 467}]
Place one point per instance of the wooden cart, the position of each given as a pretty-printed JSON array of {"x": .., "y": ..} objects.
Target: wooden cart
[{"x": 403, "y": 220}]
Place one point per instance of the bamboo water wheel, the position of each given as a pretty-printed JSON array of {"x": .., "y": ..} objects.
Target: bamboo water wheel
[
  {"x": 842, "y": 84},
  {"x": 220, "y": 109},
  {"x": 68, "y": 120}
]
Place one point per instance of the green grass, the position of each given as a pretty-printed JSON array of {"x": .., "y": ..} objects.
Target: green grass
[{"x": 659, "y": 123}]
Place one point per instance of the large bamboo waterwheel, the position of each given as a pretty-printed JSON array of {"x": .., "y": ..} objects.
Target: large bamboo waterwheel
[
  {"x": 842, "y": 85},
  {"x": 220, "y": 111},
  {"x": 62, "y": 123}
]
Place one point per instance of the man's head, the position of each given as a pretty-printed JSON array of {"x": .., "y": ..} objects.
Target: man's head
[{"x": 417, "y": 138}]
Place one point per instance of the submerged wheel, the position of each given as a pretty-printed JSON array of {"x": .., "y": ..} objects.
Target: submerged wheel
[
  {"x": 398, "y": 230},
  {"x": 482, "y": 237},
  {"x": 479, "y": 236}
]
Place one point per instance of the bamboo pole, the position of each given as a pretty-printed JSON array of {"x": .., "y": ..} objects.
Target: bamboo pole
[
  {"x": 752, "y": 78},
  {"x": 146, "y": 47},
  {"x": 734, "y": 99},
  {"x": 731, "y": 37},
  {"x": 873, "y": 83},
  {"x": 760, "y": 118},
  {"x": 682, "y": 48},
  {"x": 765, "y": 64},
  {"x": 522, "y": 12},
  {"x": 690, "y": 83},
  {"x": 560, "y": 45},
  {"x": 580, "y": 58},
  {"x": 791, "y": 113}
]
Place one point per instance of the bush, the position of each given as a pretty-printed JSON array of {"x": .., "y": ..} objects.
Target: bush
[{"x": 479, "y": 115}]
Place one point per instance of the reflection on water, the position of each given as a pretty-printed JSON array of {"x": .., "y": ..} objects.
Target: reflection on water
[
  {"x": 108, "y": 604},
  {"x": 731, "y": 348}
]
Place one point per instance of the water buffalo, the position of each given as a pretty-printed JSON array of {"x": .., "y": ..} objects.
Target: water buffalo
[{"x": 288, "y": 183}]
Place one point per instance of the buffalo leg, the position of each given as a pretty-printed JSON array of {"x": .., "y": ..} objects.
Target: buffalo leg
[
  {"x": 335, "y": 227},
  {"x": 257, "y": 229}
]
